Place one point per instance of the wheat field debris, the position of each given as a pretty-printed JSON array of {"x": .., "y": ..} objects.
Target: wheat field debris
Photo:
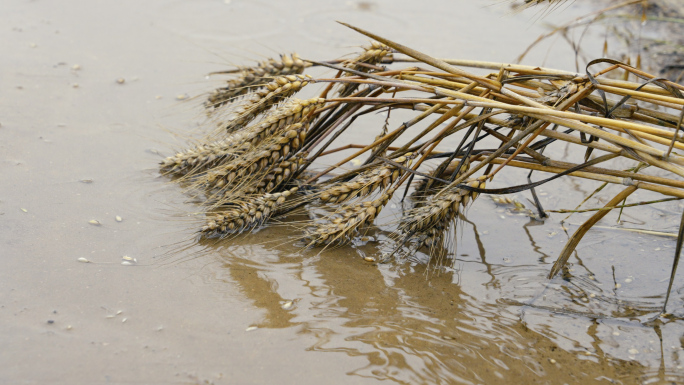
[{"x": 264, "y": 157}]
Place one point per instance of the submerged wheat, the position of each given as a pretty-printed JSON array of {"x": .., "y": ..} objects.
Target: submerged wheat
[
  {"x": 341, "y": 228},
  {"x": 427, "y": 223},
  {"x": 245, "y": 213}
]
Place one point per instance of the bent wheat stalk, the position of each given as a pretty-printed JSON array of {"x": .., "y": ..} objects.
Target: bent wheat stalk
[{"x": 515, "y": 117}]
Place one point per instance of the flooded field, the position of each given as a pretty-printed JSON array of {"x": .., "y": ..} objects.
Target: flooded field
[{"x": 103, "y": 281}]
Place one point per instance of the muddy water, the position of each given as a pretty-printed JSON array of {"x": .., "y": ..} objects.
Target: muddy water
[{"x": 88, "y": 101}]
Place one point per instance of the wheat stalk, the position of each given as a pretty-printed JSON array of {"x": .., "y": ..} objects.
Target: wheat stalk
[
  {"x": 253, "y": 78},
  {"x": 245, "y": 213},
  {"x": 428, "y": 186},
  {"x": 365, "y": 183},
  {"x": 266, "y": 154},
  {"x": 372, "y": 55},
  {"x": 524, "y": 109},
  {"x": 274, "y": 92},
  {"x": 427, "y": 222},
  {"x": 340, "y": 228},
  {"x": 270, "y": 179},
  {"x": 214, "y": 153}
]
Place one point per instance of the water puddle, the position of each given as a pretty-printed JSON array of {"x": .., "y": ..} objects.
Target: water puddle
[{"x": 76, "y": 145}]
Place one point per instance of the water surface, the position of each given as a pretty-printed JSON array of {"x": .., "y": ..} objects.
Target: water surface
[{"x": 89, "y": 100}]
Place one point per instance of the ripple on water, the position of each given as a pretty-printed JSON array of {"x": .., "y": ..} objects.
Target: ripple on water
[
  {"x": 410, "y": 323},
  {"x": 215, "y": 20},
  {"x": 338, "y": 35}
]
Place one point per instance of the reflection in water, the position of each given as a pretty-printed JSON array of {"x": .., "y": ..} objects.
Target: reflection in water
[{"x": 464, "y": 320}]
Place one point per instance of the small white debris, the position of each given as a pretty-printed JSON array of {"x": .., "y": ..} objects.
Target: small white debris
[
  {"x": 118, "y": 218},
  {"x": 369, "y": 259},
  {"x": 633, "y": 351},
  {"x": 628, "y": 280},
  {"x": 124, "y": 320},
  {"x": 75, "y": 85},
  {"x": 551, "y": 360},
  {"x": 592, "y": 295},
  {"x": 121, "y": 80},
  {"x": 127, "y": 263},
  {"x": 356, "y": 162},
  {"x": 592, "y": 278},
  {"x": 69, "y": 327},
  {"x": 84, "y": 260},
  {"x": 288, "y": 305},
  {"x": 94, "y": 222},
  {"x": 24, "y": 210},
  {"x": 181, "y": 97},
  {"x": 616, "y": 333},
  {"x": 251, "y": 328},
  {"x": 119, "y": 312},
  {"x": 617, "y": 285},
  {"x": 75, "y": 67}
]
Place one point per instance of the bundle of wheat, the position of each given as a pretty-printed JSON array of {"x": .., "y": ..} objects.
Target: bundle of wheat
[{"x": 254, "y": 172}]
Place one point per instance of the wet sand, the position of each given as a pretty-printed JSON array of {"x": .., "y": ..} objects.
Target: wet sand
[{"x": 89, "y": 102}]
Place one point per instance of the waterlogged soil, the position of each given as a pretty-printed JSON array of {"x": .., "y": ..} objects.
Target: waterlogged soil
[{"x": 90, "y": 99}]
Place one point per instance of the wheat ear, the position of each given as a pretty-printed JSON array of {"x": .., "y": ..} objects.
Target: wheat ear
[
  {"x": 427, "y": 223},
  {"x": 364, "y": 183},
  {"x": 246, "y": 213},
  {"x": 279, "y": 89},
  {"x": 427, "y": 186},
  {"x": 212, "y": 154},
  {"x": 253, "y": 78},
  {"x": 281, "y": 146},
  {"x": 340, "y": 228},
  {"x": 372, "y": 55}
]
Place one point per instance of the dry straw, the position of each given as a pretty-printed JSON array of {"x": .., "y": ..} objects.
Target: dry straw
[{"x": 253, "y": 172}]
